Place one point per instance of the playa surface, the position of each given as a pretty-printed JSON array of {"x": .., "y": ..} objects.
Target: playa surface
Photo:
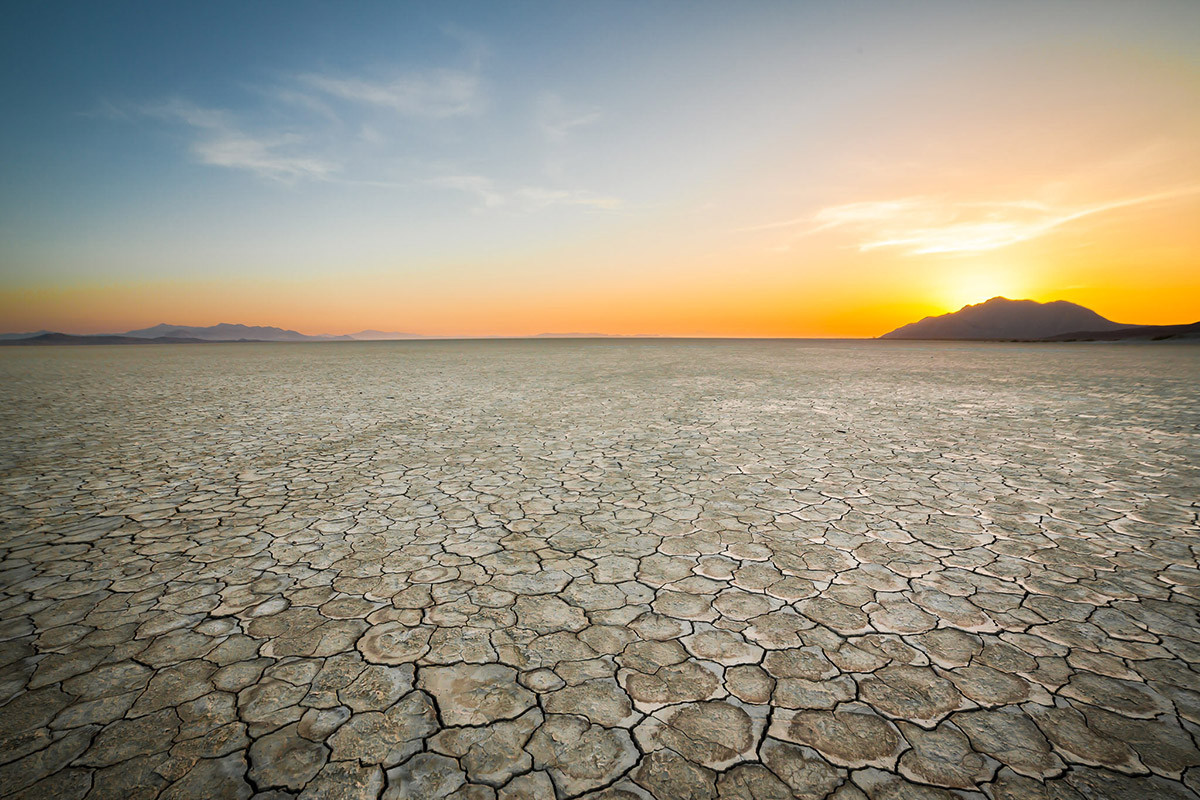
[{"x": 618, "y": 569}]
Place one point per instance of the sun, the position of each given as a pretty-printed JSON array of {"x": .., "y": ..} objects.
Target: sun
[{"x": 975, "y": 286}]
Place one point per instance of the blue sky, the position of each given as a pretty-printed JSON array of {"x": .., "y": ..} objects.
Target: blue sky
[{"x": 541, "y": 145}]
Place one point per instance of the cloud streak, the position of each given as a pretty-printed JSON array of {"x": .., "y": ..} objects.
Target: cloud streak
[
  {"x": 526, "y": 197},
  {"x": 221, "y": 142},
  {"x": 432, "y": 94},
  {"x": 556, "y": 119},
  {"x": 477, "y": 185},
  {"x": 300, "y": 135},
  {"x": 924, "y": 225},
  {"x": 339, "y": 128}
]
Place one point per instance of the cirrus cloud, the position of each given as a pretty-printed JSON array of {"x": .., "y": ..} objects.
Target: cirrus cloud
[
  {"x": 924, "y": 225},
  {"x": 434, "y": 94},
  {"x": 221, "y": 142}
]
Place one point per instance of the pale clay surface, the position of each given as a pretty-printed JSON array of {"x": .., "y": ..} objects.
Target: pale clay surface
[{"x": 600, "y": 569}]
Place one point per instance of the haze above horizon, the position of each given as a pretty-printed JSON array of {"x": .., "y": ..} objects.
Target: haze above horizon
[{"x": 686, "y": 169}]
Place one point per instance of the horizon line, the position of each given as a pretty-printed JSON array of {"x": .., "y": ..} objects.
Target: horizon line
[{"x": 341, "y": 338}]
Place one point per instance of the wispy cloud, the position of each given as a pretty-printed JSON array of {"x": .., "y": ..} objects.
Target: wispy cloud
[
  {"x": 303, "y": 99},
  {"x": 541, "y": 197},
  {"x": 477, "y": 185},
  {"x": 344, "y": 128},
  {"x": 557, "y": 119},
  {"x": 220, "y": 141},
  {"x": 434, "y": 94},
  {"x": 297, "y": 151},
  {"x": 927, "y": 225},
  {"x": 328, "y": 126},
  {"x": 525, "y": 197}
]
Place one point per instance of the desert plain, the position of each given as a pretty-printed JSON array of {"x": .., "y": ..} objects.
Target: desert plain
[{"x": 604, "y": 569}]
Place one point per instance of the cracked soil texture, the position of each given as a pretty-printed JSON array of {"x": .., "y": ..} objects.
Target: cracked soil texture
[{"x": 601, "y": 569}]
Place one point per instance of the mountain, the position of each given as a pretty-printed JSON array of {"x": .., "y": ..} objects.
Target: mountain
[
  {"x": 8, "y": 336},
  {"x": 1154, "y": 333},
  {"x": 1001, "y": 318},
  {"x": 49, "y": 338},
  {"x": 225, "y": 332},
  {"x": 370, "y": 335}
]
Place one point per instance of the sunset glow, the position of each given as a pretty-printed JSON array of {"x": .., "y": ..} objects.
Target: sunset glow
[{"x": 672, "y": 169}]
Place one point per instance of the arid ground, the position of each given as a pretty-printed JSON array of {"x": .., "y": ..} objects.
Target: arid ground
[{"x": 604, "y": 569}]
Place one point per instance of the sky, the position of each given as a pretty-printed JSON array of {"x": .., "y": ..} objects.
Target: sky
[{"x": 672, "y": 168}]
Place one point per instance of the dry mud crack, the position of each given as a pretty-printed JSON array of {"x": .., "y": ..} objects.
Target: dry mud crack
[{"x": 600, "y": 570}]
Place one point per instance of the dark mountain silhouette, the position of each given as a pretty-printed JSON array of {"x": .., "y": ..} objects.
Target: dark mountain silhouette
[
  {"x": 70, "y": 338},
  {"x": 30, "y": 335},
  {"x": 1154, "y": 333},
  {"x": 226, "y": 332},
  {"x": 1001, "y": 318}
]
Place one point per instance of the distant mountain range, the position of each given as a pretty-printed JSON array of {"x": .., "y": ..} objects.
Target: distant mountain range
[
  {"x": 370, "y": 335},
  {"x": 223, "y": 332},
  {"x": 100, "y": 338},
  {"x": 12, "y": 336},
  {"x": 1027, "y": 320},
  {"x": 227, "y": 332},
  {"x": 996, "y": 319},
  {"x": 1155, "y": 333}
]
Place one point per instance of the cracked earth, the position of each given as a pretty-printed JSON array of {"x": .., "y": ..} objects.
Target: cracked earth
[{"x": 600, "y": 569}]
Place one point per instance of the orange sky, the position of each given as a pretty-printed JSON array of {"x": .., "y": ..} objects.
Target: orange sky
[
  {"x": 786, "y": 171},
  {"x": 1133, "y": 264}
]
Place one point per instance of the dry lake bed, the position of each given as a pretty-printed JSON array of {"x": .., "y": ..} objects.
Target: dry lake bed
[{"x": 603, "y": 569}]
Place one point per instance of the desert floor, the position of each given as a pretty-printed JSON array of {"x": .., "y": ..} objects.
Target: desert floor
[{"x": 604, "y": 569}]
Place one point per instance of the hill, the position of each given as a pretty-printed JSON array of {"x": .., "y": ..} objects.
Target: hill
[
  {"x": 1001, "y": 318},
  {"x": 69, "y": 338},
  {"x": 226, "y": 332},
  {"x": 29, "y": 335},
  {"x": 1152, "y": 333}
]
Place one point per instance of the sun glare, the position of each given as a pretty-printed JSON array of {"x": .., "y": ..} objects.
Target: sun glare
[{"x": 968, "y": 288}]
